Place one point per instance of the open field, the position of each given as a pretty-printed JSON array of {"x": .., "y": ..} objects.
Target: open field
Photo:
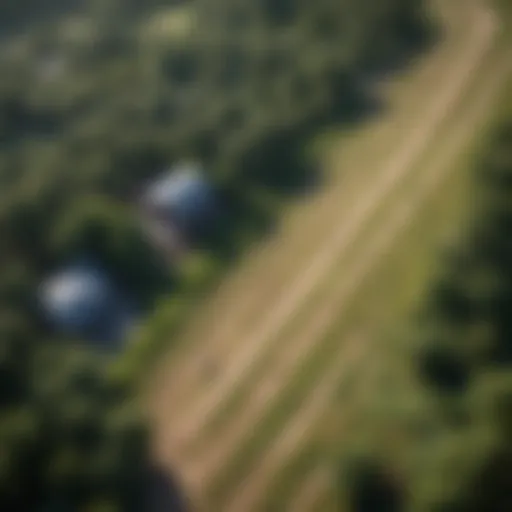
[{"x": 289, "y": 326}]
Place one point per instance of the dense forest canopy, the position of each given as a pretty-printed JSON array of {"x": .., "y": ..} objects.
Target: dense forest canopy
[{"x": 96, "y": 96}]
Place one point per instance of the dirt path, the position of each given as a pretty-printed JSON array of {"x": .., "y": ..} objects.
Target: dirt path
[
  {"x": 286, "y": 443},
  {"x": 396, "y": 169},
  {"x": 213, "y": 451},
  {"x": 266, "y": 392},
  {"x": 265, "y": 471}
]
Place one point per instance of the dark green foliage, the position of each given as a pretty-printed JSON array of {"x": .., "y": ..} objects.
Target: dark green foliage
[
  {"x": 96, "y": 98},
  {"x": 280, "y": 12},
  {"x": 111, "y": 232},
  {"x": 444, "y": 369},
  {"x": 181, "y": 67},
  {"x": 372, "y": 488},
  {"x": 16, "y": 14},
  {"x": 72, "y": 439},
  {"x": 490, "y": 488}
]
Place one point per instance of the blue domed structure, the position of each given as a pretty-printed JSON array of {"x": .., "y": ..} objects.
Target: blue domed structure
[
  {"x": 80, "y": 300},
  {"x": 183, "y": 197}
]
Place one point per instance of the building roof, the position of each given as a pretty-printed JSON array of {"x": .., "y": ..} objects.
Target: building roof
[
  {"x": 182, "y": 192},
  {"x": 80, "y": 299}
]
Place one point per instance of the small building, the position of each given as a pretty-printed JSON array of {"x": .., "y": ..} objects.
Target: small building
[
  {"x": 80, "y": 300},
  {"x": 183, "y": 198}
]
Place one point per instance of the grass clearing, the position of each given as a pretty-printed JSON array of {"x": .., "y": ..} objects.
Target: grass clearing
[{"x": 273, "y": 422}]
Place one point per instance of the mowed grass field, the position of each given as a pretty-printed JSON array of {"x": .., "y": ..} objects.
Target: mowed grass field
[{"x": 273, "y": 371}]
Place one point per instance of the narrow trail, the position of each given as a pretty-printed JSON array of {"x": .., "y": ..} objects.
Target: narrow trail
[
  {"x": 188, "y": 425},
  {"x": 286, "y": 443},
  {"x": 317, "y": 481},
  {"x": 268, "y": 390}
]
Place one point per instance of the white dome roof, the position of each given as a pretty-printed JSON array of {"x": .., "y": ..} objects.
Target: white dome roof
[
  {"x": 182, "y": 192},
  {"x": 78, "y": 296}
]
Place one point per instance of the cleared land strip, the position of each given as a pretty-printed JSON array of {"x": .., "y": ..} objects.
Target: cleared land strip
[
  {"x": 449, "y": 151},
  {"x": 266, "y": 392},
  {"x": 287, "y": 443},
  {"x": 313, "y": 484},
  {"x": 233, "y": 311},
  {"x": 305, "y": 479},
  {"x": 397, "y": 168}
]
